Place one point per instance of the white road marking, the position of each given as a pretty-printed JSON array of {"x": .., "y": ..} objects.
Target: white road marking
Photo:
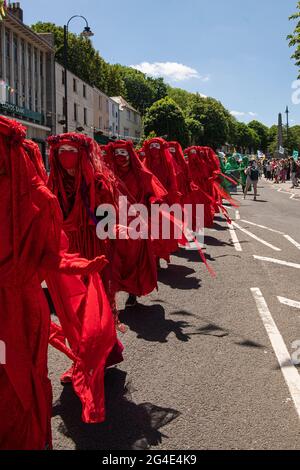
[
  {"x": 234, "y": 238},
  {"x": 289, "y": 371},
  {"x": 292, "y": 196},
  {"x": 290, "y": 239},
  {"x": 262, "y": 226},
  {"x": 277, "y": 261},
  {"x": 290, "y": 303},
  {"x": 260, "y": 240},
  {"x": 237, "y": 215}
]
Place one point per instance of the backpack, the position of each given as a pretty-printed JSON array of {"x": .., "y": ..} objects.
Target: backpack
[{"x": 254, "y": 174}]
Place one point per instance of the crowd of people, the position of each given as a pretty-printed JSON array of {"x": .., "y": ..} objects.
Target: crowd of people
[
  {"x": 49, "y": 232},
  {"x": 281, "y": 171}
]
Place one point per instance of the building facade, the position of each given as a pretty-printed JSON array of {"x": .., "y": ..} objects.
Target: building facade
[
  {"x": 106, "y": 117},
  {"x": 130, "y": 120},
  {"x": 80, "y": 103},
  {"x": 27, "y": 76}
]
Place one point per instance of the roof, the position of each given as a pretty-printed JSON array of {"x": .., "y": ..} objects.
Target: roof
[
  {"x": 26, "y": 31},
  {"x": 123, "y": 103}
]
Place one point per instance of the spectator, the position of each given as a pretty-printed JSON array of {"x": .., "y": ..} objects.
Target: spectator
[{"x": 252, "y": 173}]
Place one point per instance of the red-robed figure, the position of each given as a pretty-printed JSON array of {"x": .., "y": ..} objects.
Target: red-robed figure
[
  {"x": 212, "y": 164},
  {"x": 143, "y": 187},
  {"x": 200, "y": 174},
  {"x": 86, "y": 320},
  {"x": 30, "y": 249},
  {"x": 82, "y": 182},
  {"x": 160, "y": 162}
]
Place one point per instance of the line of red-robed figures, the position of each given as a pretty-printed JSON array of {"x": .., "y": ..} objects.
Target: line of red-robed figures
[{"x": 48, "y": 233}]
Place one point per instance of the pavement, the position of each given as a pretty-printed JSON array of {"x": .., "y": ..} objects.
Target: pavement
[{"x": 209, "y": 362}]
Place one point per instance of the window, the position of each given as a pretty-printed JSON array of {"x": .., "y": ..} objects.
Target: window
[
  {"x": 135, "y": 118},
  {"x": 74, "y": 85},
  {"x": 64, "y": 106},
  {"x": 23, "y": 72},
  {"x": 107, "y": 106},
  {"x": 100, "y": 102},
  {"x": 85, "y": 114},
  {"x": 128, "y": 114},
  {"x": 30, "y": 76},
  {"x": 75, "y": 112},
  {"x": 16, "y": 68},
  {"x": 63, "y": 77},
  {"x": 8, "y": 63},
  {"x": 126, "y": 132},
  {"x": 100, "y": 122},
  {"x": 84, "y": 91}
]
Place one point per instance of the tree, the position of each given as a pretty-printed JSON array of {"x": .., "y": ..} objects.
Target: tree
[
  {"x": 263, "y": 133},
  {"x": 165, "y": 118},
  {"x": 214, "y": 118},
  {"x": 246, "y": 138},
  {"x": 84, "y": 61},
  {"x": 181, "y": 97},
  {"x": 195, "y": 129},
  {"x": 294, "y": 38}
]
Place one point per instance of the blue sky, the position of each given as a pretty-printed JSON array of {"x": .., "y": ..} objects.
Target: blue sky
[{"x": 233, "y": 50}]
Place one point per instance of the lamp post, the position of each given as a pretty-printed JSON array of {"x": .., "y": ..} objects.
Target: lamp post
[{"x": 87, "y": 33}]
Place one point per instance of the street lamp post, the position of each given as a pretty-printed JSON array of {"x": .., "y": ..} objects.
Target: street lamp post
[{"x": 87, "y": 32}]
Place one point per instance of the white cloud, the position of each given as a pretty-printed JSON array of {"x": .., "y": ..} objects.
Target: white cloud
[
  {"x": 243, "y": 114},
  {"x": 237, "y": 113},
  {"x": 172, "y": 71}
]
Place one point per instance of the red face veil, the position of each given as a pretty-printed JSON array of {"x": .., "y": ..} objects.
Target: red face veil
[{"x": 69, "y": 159}]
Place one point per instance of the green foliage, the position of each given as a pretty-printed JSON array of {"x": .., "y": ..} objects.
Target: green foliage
[
  {"x": 246, "y": 138},
  {"x": 165, "y": 118},
  {"x": 84, "y": 61},
  {"x": 182, "y": 97},
  {"x": 214, "y": 118},
  {"x": 195, "y": 129},
  {"x": 294, "y": 38},
  {"x": 141, "y": 91},
  {"x": 263, "y": 133}
]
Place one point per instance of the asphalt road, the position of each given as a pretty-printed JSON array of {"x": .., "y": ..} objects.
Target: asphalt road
[{"x": 207, "y": 361}]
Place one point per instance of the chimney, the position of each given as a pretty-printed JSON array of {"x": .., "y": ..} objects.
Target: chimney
[{"x": 16, "y": 10}]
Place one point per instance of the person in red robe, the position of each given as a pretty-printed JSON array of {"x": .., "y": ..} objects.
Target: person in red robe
[
  {"x": 30, "y": 234},
  {"x": 160, "y": 162},
  {"x": 86, "y": 321},
  {"x": 143, "y": 187},
  {"x": 199, "y": 173},
  {"x": 212, "y": 164},
  {"x": 82, "y": 182}
]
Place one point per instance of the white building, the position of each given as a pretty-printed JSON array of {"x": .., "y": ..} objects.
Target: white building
[
  {"x": 27, "y": 76},
  {"x": 80, "y": 103},
  {"x": 130, "y": 120}
]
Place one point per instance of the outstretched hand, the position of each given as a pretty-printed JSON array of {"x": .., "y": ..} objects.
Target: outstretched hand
[{"x": 82, "y": 266}]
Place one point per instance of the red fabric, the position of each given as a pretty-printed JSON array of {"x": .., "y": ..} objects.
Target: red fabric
[
  {"x": 160, "y": 163},
  {"x": 216, "y": 191},
  {"x": 131, "y": 267},
  {"x": 25, "y": 391},
  {"x": 199, "y": 173},
  {"x": 85, "y": 316},
  {"x": 68, "y": 160},
  {"x": 144, "y": 188}
]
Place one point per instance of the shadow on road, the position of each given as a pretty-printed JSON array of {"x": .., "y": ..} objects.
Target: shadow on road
[
  {"x": 150, "y": 324},
  {"x": 128, "y": 426},
  {"x": 176, "y": 276},
  {"x": 211, "y": 241},
  {"x": 192, "y": 256}
]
